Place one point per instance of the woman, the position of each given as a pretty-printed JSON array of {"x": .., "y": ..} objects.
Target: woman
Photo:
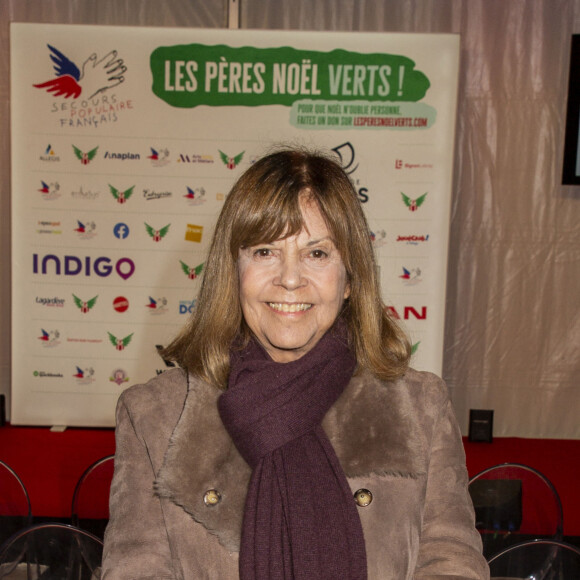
[{"x": 295, "y": 396}]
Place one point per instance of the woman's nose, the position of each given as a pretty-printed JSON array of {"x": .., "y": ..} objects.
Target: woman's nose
[{"x": 291, "y": 275}]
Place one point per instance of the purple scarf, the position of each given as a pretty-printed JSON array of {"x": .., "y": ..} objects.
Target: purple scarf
[{"x": 300, "y": 518}]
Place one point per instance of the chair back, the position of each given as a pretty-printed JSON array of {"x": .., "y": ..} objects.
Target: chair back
[
  {"x": 52, "y": 551},
  {"x": 514, "y": 503},
  {"x": 538, "y": 560},
  {"x": 15, "y": 511},
  {"x": 90, "y": 503}
]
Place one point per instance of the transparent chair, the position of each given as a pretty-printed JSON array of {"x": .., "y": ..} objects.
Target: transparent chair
[
  {"x": 90, "y": 503},
  {"x": 514, "y": 503},
  {"x": 51, "y": 551},
  {"x": 15, "y": 511},
  {"x": 537, "y": 560}
]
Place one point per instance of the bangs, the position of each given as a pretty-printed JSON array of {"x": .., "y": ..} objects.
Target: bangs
[{"x": 268, "y": 218}]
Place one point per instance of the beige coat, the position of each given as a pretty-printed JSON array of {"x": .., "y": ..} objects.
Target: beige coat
[{"x": 399, "y": 440}]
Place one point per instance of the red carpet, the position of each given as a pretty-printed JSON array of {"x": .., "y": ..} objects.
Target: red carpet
[{"x": 51, "y": 463}]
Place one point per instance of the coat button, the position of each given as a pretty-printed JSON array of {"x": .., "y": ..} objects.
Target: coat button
[
  {"x": 363, "y": 497},
  {"x": 211, "y": 497}
]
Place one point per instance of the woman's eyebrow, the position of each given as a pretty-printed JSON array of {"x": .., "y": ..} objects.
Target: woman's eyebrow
[{"x": 318, "y": 241}]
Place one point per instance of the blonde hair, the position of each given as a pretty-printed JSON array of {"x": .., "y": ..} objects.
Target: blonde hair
[{"x": 264, "y": 206}]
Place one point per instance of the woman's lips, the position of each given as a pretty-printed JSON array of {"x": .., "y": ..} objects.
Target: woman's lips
[{"x": 289, "y": 307}]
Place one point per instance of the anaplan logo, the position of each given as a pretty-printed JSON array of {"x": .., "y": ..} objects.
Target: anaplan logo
[{"x": 87, "y": 266}]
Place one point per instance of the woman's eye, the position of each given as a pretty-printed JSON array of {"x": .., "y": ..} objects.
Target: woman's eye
[
  {"x": 262, "y": 252},
  {"x": 319, "y": 254}
]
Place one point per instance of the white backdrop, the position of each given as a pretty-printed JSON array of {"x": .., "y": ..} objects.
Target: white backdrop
[{"x": 125, "y": 142}]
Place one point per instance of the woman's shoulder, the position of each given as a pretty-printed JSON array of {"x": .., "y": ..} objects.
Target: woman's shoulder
[{"x": 159, "y": 400}]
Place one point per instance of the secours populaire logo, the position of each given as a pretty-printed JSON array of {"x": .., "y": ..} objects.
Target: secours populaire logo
[
  {"x": 191, "y": 273},
  {"x": 49, "y": 338},
  {"x": 83, "y": 94}
]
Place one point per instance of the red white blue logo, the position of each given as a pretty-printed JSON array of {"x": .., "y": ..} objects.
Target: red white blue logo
[{"x": 94, "y": 75}]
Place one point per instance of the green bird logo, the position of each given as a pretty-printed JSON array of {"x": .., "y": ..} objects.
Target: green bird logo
[
  {"x": 191, "y": 273},
  {"x": 85, "y": 157},
  {"x": 120, "y": 343},
  {"x": 85, "y": 306},
  {"x": 157, "y": 234},
  {"x": 121, "y": 196},
  {"x": 231, "y": 162},
  {"x": 413, "y": 204}
]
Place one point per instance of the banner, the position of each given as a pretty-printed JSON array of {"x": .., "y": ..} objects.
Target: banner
[{"x": 125, "y": 143}]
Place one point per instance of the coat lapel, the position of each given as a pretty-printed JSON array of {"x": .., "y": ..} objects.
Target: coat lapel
[{"x": 372, "y": 428}]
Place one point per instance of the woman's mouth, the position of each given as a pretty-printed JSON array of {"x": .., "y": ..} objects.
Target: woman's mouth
[{"x": 285, "y": 307}]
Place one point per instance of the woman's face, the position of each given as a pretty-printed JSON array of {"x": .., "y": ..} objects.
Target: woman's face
[{"x": 292, "y": 290}]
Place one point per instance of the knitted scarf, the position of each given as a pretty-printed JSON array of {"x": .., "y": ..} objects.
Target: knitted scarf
[{"x": 300, "y": 519}]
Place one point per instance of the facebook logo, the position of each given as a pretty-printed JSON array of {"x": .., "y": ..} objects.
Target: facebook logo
[{"x": 121, "y": 231}]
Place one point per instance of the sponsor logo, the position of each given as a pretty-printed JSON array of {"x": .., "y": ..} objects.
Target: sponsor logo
[
  {"x": 121, "y": 231},
  {"x": 48, "y": 227},
  {"x": 86, "y": 230},
  {"x": 191, "y": 273},
  {"x": 73, "y": 266},
  {"x": 52, "y": 302},
  {"x": 122, "y": 156},
  {"x": 120, "y": 343},
  {"x": 157, "y": 305},
  {"x": 231, "y": 162},
  {"x": 413, "y": 240},
  {"x": 85, "y": 157},
  {"x": 195, "y": 196},
  {"x": 119, "y": 376},
  {"x": 121, "y": 196},
  {"x": 186, "y": 306},
  {"x": 49, "y": 191},
  {"x": 49, "y": 154},
  {"x": 121, "y": 304},
  {"x": 408, "y": 312},
  {"x": 195, "y": 158},
  {"x": 156, "y": 235},
  {"x": 150, "y": 195},
  {"x": 90, "y": 81},
  {"x": 379, "y": 238},
  {"x": 413, "y": 204},
  {"x": 94, "y": 76},
  {"x": 83, "y": 306},
  {"x": 411, "y": 277},
  {"x": 44, "y": 374},
  {"x": 84, "y": 376},
  {"x": 401, "y": 164},
  {"x": 85, "y": 340},
  {"x": 49, "y": 338},
  {"x": 193, "y": 233},
  {"x": 81, "y": 194},
  {"x": 346, "y": 157},
  {"x": 159, "y": 157}
]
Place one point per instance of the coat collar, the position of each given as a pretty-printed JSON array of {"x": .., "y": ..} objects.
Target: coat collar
[{"x": 372, "y": 427}]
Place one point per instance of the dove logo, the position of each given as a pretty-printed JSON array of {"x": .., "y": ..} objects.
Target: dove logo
[
  {"x": 50, "y": 191},
  {"x": 74, "y": 266},
  {"x": 195, "y": 196},
  {"x": 93, "y": 77},
  {"x": 49, "y": 338}
]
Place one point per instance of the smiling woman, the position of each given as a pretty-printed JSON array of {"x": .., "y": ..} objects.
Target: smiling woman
[{"x": 294, "y": 441}]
